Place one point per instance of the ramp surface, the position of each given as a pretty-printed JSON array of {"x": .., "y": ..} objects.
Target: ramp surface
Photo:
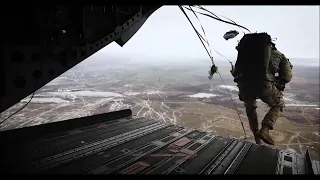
[{"x": 123, "y": 144}]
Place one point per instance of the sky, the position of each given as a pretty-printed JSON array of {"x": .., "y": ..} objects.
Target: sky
[{"x": 167, "y": 34}]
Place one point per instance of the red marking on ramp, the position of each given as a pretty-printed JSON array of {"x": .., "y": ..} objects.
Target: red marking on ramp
[
  {"x": 174, "y": 150},
  {"x": 181, "y": 142}
]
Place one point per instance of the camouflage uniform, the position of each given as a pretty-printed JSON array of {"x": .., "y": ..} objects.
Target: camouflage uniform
[{"x": 267, "y": 92}]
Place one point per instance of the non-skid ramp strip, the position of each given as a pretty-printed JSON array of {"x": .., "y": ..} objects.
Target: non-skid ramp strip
[
  {"x": 259, "y": 160},
  {"x": 81, "y": 130},
  {"x": 238, "y": 159},
  {"x": 229, "y": 160},
  {"x": 35, "y": 148},
  {"x": 86, "y": 134},
  {"x": 158, "y": 157},
  {"x": 26, "y": 134},
  {"x": 136, "y": 155},
  {"x": 35, "y": 143},
  {"x": 59, "y": 147},
  {"x": 219, "y": 163},
  {"x": 22, "y": 161},
  {"x": 90, "y": 162},
  {"x": 77, "y": 135},
  {"x": 95, "y": 147},
  {"x": 182, "y": 155},
  {"x": 203, "y": 157}
]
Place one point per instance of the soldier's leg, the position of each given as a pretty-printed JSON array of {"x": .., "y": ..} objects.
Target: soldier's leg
[
  {"x": 274, "y": 98},
  {"x": 251, "y": 106}
]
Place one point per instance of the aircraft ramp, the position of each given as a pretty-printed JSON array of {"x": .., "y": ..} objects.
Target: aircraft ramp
[{"x": 120, "y": 143}]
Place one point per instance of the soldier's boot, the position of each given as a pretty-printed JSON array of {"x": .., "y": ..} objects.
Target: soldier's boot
[
  {"x": 257, "y": 137},
  {"x": 264, "y": 134}
]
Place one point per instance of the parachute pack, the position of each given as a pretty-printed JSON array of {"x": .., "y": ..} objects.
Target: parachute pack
[{"x": 254, "y": 52}]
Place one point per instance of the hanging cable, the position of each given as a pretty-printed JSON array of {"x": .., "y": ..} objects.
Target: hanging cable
[
  {"x": 207, "y": 41},
  {"x": 244, "y": 131},
  {"x": 202, "y": 29},
  {"x": 234, "y": 104},
  {"x": 219, "y": 19},
  {"x": 34, "y": 91},
  {"x": 207, "y": 38},
  {"x": 217, "y": 15},
  {"x": 18, "y": 109},
  {"x": 196, "y": 33},
  {"x": 204, "y": 10}
]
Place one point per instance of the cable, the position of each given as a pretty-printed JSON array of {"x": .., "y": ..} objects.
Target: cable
[
  {"x": 244, "y": 131},
  {"x": 18, "y": 109},
  {"x": 202, "y": 29},
  {"x": 34, "y": 91},
  {"x": 245, "y": 134},
  {"x": 204, "y": 10},
  {"x": 196, "y": 33},
  {"x": 209, "y": 52},
  {"x": 217, "y": 15},
  {"x": 199, "y": 35},
  {"x": 207, "y": 38},
  {"x": 233, "y": 22},
  {"x": 207, "y": 41},
  {"x": 219, "y": 19},
  {"x": 199, "y": 7}
]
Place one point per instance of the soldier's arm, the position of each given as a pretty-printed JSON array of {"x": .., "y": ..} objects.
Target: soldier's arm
[
  {"x": 285, "y": 70},
  {"x": 234, "y": 71}
]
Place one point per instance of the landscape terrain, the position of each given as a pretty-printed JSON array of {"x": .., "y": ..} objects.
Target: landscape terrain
[{"x": 176, "y": 92}]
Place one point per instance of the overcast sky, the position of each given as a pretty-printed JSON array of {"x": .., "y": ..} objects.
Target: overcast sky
[{"x": 168, "y": 34}]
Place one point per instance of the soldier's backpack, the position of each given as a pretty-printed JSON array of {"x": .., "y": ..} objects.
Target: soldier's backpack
[{"x": 254, "y": 52}]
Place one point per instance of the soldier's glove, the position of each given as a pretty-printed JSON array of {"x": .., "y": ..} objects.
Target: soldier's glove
[
  {"x": 280, "y": 87},
  {"x": 213, "y": 69},
  {"x": 279, "y": 84},
  {"x": 232, "y": 69}
]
